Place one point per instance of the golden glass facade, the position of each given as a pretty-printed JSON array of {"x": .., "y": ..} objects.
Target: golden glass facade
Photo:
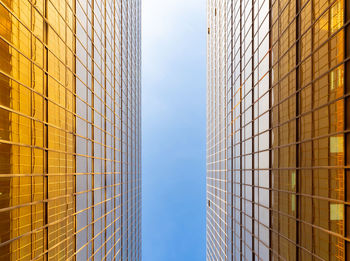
[
  {"x": 70, "y": 173},
  {"x": 278, "y": 120}
]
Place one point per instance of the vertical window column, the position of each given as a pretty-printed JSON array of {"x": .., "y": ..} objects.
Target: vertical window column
[
  {"x": 270, "y": 129},
  {"x": 295, "y": 197},
  {"x": 45, "y": 143},
  {"x": 347, "y": 124},
  {"x": 231, "y": 129},
  {"x": 240, "y": 132}
]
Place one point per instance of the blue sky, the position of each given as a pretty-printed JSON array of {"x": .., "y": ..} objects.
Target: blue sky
[{"x": 173, "y": 126}]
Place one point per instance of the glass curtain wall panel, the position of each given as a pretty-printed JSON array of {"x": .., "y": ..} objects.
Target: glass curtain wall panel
[
  {"x": 70, "y": 173},
  {"x": 219, "y": 208},
  {"x": 278, "y": 130},
  {"x": 308, "y": 125}
]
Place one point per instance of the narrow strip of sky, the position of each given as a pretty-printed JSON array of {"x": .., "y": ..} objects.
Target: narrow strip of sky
[{"x": 174, "y": 111}]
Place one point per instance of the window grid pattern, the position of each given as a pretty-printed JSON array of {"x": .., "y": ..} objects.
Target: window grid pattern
[
  {"x": 286, "y": 132},
  {"x": 70, "y": 183},
  {"x": 217, "y": 209},
  {"x": 308, "y": 114}
]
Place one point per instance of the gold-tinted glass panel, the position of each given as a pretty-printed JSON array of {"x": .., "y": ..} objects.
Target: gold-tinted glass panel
[{"x": 70, "y": 173}]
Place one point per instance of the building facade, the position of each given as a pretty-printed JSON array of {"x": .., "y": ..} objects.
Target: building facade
[
  {"x": 70, "y": 130},
  {"x": 278, "y": 130}
]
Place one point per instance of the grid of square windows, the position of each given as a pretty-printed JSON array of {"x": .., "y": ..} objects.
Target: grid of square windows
[
  {"x": 70, "y": 173},
  {"x": 278, "y": 94}
]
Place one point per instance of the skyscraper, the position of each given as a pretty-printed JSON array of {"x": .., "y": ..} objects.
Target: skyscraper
[
  {"x": 278, "y": 130},
  {"x": 70, "y": 163}
]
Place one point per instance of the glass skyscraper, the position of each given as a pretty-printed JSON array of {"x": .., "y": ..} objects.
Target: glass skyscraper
[
  {"x": 278, "y": 130},
  {"x": 70, "y": 122}
]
